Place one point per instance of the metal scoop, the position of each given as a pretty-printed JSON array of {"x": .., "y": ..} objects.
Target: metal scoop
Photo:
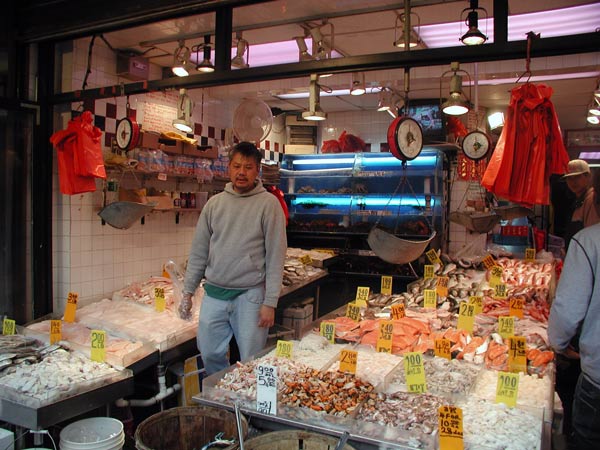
[{"x": 123, "y": 215}]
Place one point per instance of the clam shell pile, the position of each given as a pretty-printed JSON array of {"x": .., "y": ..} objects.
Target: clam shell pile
[{"x": 294, "y": 271}]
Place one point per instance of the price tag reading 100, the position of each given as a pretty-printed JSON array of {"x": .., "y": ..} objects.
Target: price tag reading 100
[
  {"x": 98, "y": 338},
  {"x": 428, "y": 271},
  {"x": 328, "y": 331},
  {"x": 414, "y": 372},
  {"x": 429, "y": 298},
  {"x": 386, "y": 285}
]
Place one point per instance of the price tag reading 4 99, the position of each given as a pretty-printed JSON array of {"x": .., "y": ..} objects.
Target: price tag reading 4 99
[
  {"x": 398, "y": 311},
  {"x": 517, "y": 351},
  {"x": 414, "y": 372},
  {"x": 98, "y": 353},
  {"x": 384, "y": 342}
]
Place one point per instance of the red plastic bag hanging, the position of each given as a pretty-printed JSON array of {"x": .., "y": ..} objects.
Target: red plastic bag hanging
[
  {"x": 88, "y": 152},
  {"x": 69, "y": 182}
]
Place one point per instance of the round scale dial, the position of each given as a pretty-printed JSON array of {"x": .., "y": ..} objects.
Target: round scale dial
[
  {"x": 476, "y": 145},
  {"x": 126, "y": 134},
  {"x": 405, "y": 138}
]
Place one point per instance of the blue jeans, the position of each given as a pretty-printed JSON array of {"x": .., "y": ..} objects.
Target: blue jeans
[
  {"x": 586, "y": 415},
  {"x": 220, "y": 319}
]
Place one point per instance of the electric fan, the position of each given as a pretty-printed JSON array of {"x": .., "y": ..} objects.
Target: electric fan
[{"x": 252, "y": 121}]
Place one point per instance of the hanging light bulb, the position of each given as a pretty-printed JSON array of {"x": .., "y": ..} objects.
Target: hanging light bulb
[
  {"x": 457, "y": 103},
  {"x": 473, "y": 36},
  {"x": 385, "y": 100},
  {"x": 181, "y": 60},
  {"x": 358, "y": 84},
  {"x": 242, "y": 48},
  {"x": 595, "y": 107},
  {"x": 205, "y": 66},
  {"x": 303, "y": 54},
  {"x": 594, "y": 120},
  {"x": 184, "y": 112},
  {"x": 414, "y": 40},
  {"x": 314, "y": 108}
]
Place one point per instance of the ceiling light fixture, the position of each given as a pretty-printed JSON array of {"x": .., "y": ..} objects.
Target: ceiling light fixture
[
  {"x": 595, "y": 107},
  {"x": 242, "y": 47},
  {"x": 303, "y": 54},
  {"x": 385, "y": 100},
  {"x": 473, "y": 36},
  {"x": 406, "y": 31},
  {"x": 594, "y": 120},
  {"x": 205, "y": 66},
  {"x": 358, "y": 84},
  {"x": 496, "y": 120},
  {"x": 458, "y": 103},
  {"x": 321, "y": 47},
  {"x": 181, "y": 60},
  {"x": 314, "y": 107},
  {"x": 184, "y": 112}
]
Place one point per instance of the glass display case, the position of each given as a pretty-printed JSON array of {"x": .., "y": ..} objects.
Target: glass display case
[{"x": 338, "y": 198}]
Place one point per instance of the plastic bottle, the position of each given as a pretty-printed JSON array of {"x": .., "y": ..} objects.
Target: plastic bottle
[
  {"x": 176, "y": 200},
  {"x": 192, "y": 200},
  {"x": 183, "y": 196}
]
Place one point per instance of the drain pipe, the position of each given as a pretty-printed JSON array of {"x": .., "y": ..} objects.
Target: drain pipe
[{"x": 163, "y": 392}]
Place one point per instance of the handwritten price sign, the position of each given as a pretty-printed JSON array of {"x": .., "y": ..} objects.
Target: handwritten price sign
[
  {"x": 328, "y": 331},
  {"x": 71, "y": 307},
  {"x": 384, "y": 341},
  {"x": 442, "y": 348},
  {"x": 398, "y": 311},
  {"x": 284, "y": 349},
  {"x": 266, "y": 389},
  {"x": 98, "y": 341},
  {"x": 353, "y": 311},
  {"x": 428, "y": 271},
  {"x": 159, "y": 299},
  {"x": 507, "y": 388},
  {"x": 516, "y": 305},
  {"x": 386, "y": 285},
  {"x": 362, "y": 295},
  {"x": 450, "y": 421},
  {"x": 414, "y": 372},
  {"x": 348, "y": 360},
  {"x": 55, "y": 331}
]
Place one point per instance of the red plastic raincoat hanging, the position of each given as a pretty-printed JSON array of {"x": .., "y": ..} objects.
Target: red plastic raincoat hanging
[{"x": 79, "y": 153}]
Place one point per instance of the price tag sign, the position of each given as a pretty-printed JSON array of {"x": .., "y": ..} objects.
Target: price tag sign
[
  {"x": 266, "y": 389},
  {"x": 386, "y": 285},
  {"x": 506, "y": 326},
  {"x": 162, "y": 176},
  {"x": 450, "y": 421},
  {"x": 384, "y": 341},
  {"x": 8, "y": 327},
  {"x": 488, "y": 261},
  {"x": 55, "y": 331},
  {"x": 433, "y": 257},
  {"x": 530, "y": 254},
  {"x": 516, "y": 305},
  {"x": 429, "y": 298},
  {"x": 284, "y": 349},
  {"x": 98, "y": 338},
  {"x": 362, "y": 295},
  {"x": 398, "y": 311},
  {"x": 466, "y": 317},
  {"x": 71, "y": 307},
  {"x": 306, "y": 260},
  {"x": 442, "y": 348},
  {"x": 353, "y": 311},
  {"x": 414, "y": 372},
  {"x": 159, "y": 299},
  {"x": 442, "y": 286},
  {"x": 328, "y": 331},
  {"x": 348, "y": 359},
  {"x": 507, "y": 388},
  {"x": 496, "y": 275},
  {"x": 325, "y": 250},
  {"x": 517, "y": 351},
  {"x": 500, "y": 291},
  {"x": 428, "y": 271},
  {"x": 477, "y": 302}
]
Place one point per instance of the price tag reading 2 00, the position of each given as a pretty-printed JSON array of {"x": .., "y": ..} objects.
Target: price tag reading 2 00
[
  {"x": 414, "y": 372},
  {"x": 507, "y": 388}
]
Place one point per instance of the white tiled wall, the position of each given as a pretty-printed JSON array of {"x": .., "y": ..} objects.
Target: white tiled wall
[{"x": 370, "y": 126}]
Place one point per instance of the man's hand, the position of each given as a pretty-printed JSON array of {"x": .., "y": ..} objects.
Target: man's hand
[
  {"x": 185, "y": 307},
  {"x": 266, "y": 316}
]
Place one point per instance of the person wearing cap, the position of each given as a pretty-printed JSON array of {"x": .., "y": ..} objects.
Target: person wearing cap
[{"x": 579, "y": 180}]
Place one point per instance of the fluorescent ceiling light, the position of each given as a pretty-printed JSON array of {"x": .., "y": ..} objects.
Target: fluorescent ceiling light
[
  {"x": 333, "y": 93},
  {"x": 589, "y": 155}
]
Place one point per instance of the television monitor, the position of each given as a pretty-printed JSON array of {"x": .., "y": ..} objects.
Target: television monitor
[{"x": 429, "y": 115}]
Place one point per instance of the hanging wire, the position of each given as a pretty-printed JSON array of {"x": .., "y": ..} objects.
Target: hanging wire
[{"x": 530, "y": 36}]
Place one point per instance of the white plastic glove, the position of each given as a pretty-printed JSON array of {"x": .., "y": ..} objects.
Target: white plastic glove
[{"x": 185, "y": 307}]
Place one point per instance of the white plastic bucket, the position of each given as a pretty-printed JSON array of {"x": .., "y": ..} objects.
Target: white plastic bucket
[{"x": 95, "y": 433}]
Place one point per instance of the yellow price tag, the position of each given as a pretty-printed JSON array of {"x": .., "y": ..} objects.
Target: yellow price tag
[
  {"x": 159, "y": 299},
  {"x": 517, "y": 354},
  {"x": 450, "y": 421},
  {"x": 306, "y": 260},
  {"x": 507, "y": 388},
  {"x": 488, "y": 261},
  {"x": 428, "y": 271},
  {"x": 442, "y": 286},
  {"x": 384, "y": 341},
  {"x": 466, "y": 317},
  {"x": 506, "y": 326},
  {"x": 415, "y": 372},
  {"x": 8, "y": 327},
  {"x": 328, "y": 331},
  {"x": 324, "y": 250},
  {"x": 353, "y": 311},
  {"x": 362, "y": 295},
  {"x": 530, "y": 254},
  {"x": 516, "y": 305},
  {"x": 477, "y": 302},
  {"x": 442, "y": 348},
  {"x": 398, "y": 311},
  {"x": 386, "y": 285},
  {"x": 433, "y": 257},
  {"x": 55, "y": 331},
  {"x": 98, "y": 338},
  {"x": 496, "y": 275},
  {"x": 284, "y": 349},
  {"x": 71, "y": 307},
  {"x": 500, "y": 291},
  {"x": 348, "y": 360},
  {"x": 429, "y": 298}
]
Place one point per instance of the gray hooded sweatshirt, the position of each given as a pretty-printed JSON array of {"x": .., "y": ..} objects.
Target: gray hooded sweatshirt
[{"x": 239, "y": 243}]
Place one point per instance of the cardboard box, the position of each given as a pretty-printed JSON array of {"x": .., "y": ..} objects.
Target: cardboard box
[
  {"x": 149, "y": 139},
  {"x": 171, "y": 146},
  {"x": 200, "y": 151},
  {"x": 297, "y": 318}
]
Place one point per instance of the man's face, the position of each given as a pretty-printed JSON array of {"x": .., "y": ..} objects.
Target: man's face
[
  {"x": 578, "y": 184},
  {"x": 243, "y": 173}
]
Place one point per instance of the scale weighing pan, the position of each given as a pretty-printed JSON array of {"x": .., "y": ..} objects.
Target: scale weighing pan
[
  {"x": 395, "y": 250},
  {"x": 123, "y": 215}
]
